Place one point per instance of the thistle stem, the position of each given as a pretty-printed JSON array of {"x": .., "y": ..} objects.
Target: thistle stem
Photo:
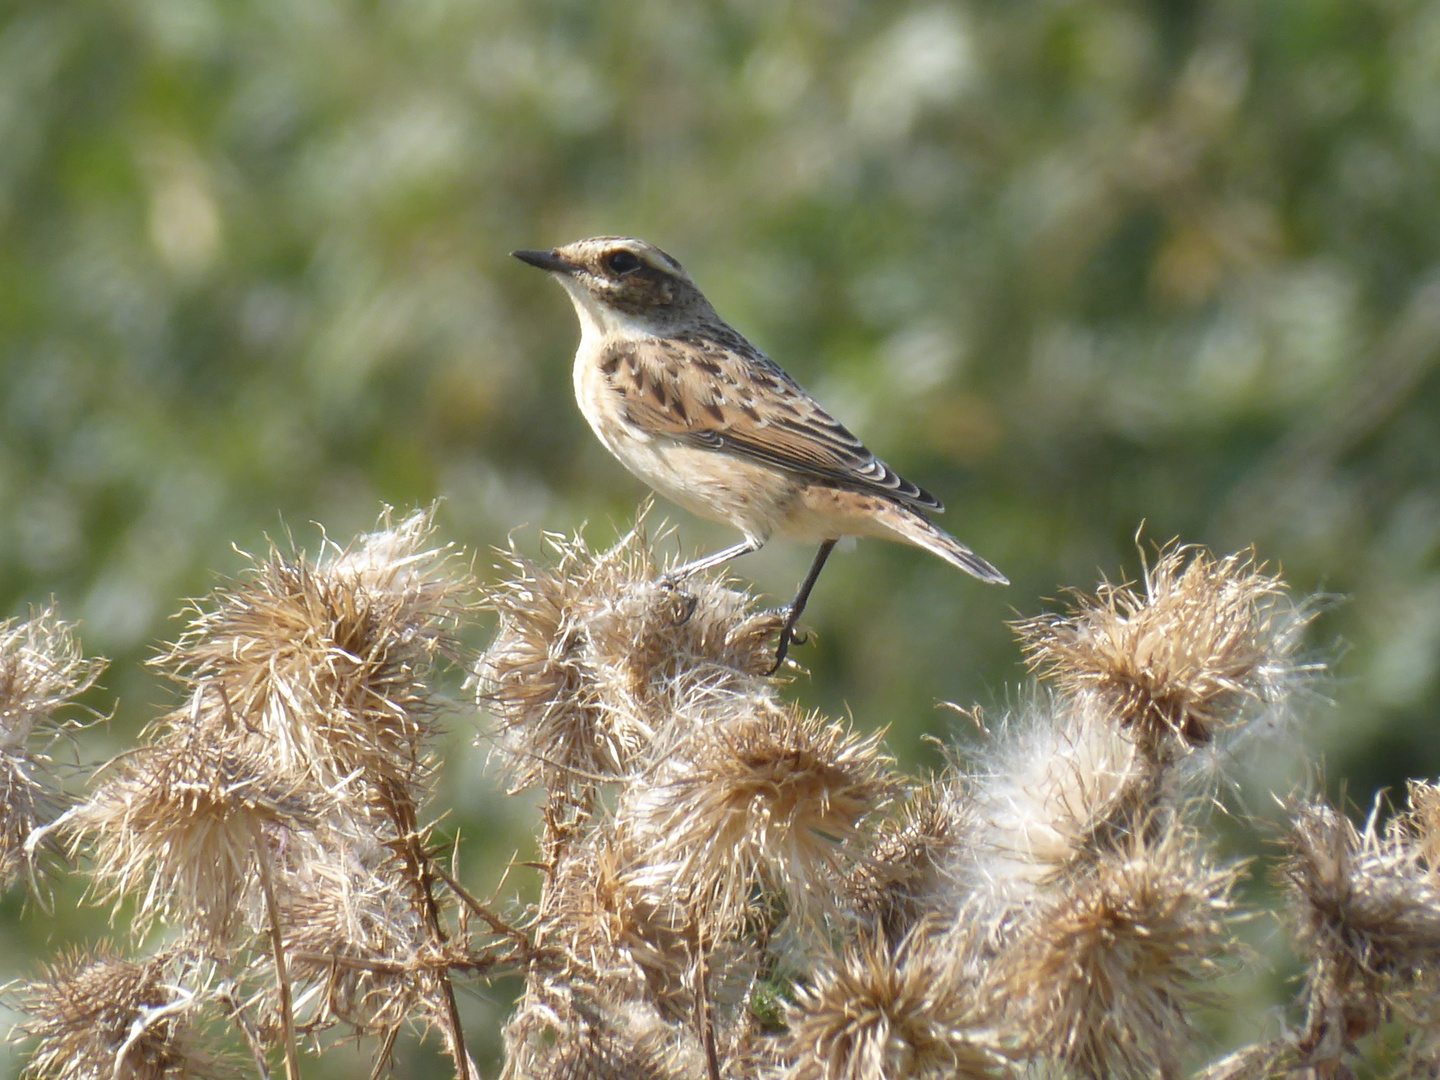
[
  {"x": 277, "y": 944},
  {"x": 418, "y": 865}
]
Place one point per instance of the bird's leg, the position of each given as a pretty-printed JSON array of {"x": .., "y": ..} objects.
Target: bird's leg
[
  {"x": 709, "y": 562},
  {"x": 797, "y": 606}
]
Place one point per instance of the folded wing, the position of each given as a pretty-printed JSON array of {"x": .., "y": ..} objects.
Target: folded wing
[{"x": 721, "y": 393}]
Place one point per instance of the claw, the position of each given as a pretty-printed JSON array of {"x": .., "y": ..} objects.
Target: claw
[
  {"x": 788, "y": 636},
  {"x": 780, "y": 651},
  {"x": 689, "y": 600}
]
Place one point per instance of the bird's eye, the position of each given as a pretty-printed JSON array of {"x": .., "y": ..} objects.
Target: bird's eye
[{"x": 622, "y": 262}]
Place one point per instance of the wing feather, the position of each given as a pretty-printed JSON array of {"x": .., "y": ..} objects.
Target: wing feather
[{"x": 719, "y": 392}]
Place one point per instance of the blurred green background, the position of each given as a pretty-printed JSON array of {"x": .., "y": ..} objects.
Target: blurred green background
[{"x": 1071, "y": 266}]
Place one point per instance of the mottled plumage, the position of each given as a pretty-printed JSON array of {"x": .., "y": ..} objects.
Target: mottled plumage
[
  {"x": 716, "y": 391},
  {"x": 711, "y": 422}
]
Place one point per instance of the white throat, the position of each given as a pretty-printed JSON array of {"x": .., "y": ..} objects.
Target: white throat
[{"x": 600, "y": 321}]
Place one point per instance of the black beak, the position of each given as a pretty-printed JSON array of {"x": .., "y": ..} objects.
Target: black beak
[{"x": 546, "y": 260}]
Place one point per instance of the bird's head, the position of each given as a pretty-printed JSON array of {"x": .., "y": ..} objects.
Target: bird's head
[{"x": 620, "y": 284}]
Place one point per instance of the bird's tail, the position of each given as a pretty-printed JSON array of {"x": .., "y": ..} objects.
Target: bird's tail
[{"x": 914, "y": 528}]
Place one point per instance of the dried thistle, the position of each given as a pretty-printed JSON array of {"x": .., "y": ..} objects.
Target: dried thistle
[
  {"x": 883, "y": 1012},
  {"x": 908, "y": 868},
  {"x": 1367, "y": 898},
  {"x": 329, "y": 662},
  {"x": 42, "y": 668},
  {"x": 1365, "y": 911},
  {"x": 309, "y": 715},
  {"x": 98, "y": 1016},
  {"x": 771, "y": 795},
  {"x": 1054, "y": 789},
  {"x": 184, "y": 824},
  {"x": 1423, "y": 820},
  {"x": 611, "y": 934},
  {"x": 597, "y": 1041},
  {"x": 357, "y": 947},
  {"x": 1182, "y": 661},
  {"x": 591, "y": 654},
  {"x": 1102, "y": 975},
  {"x": 1048, "y": 913}
]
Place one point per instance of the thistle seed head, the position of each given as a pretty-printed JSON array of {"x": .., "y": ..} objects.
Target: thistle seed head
[
  {"x": 356, "y": 945},
  {"x": 1206, "y": 644},
  {"x": 597, "y": 1041},
  {"x": 183, "y": 823},
  {"x": 593, "y": 653},
  {"x": 98, "y": 1016},
  {"x": 907, "y": 872},
  {"x": 773, "y": 797},
  {"x": 1365, "y": 902},
  {"x": 42, "y": 669},
  {"x": 329, "y": 661},
  {"x": 883, "y": 1012},
  {"x": 1053, "y": 787},
  {"x": 614, "y": 934},
  {"x": 1101, "y": 975}
]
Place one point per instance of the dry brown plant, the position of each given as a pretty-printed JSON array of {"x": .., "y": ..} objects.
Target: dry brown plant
[
  {"x": 1364, "y": 905},
  {"x": 882, "y": 1010},
  {"x": 97, "y": 1014},
  {"x": 42, "y": 671},
  {"x": 730, "y": 887},
  {"x": 276, "y": 817},
  {"x": 1194, "y": 652}
]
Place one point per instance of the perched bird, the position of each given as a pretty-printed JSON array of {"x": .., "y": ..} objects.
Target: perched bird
[{"x": 713, "y": 424}]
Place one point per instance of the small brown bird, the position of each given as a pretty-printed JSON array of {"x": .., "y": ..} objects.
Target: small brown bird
[{"x": 712, "y": 423}]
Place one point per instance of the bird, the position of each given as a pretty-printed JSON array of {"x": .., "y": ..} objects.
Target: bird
[{"x": 709, "y": 421}]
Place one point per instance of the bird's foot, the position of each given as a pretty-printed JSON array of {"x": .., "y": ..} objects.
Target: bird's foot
[
  {"x": 688, "y": 601},
  {"x": 788, "y": 636}
]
